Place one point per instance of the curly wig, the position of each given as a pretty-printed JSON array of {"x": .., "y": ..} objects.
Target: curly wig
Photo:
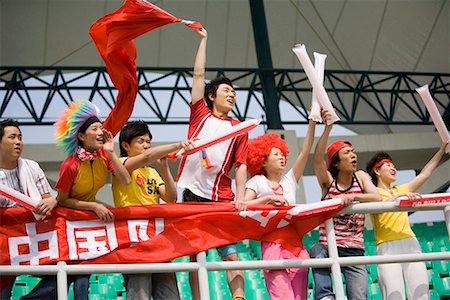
[
  {"x": 71, "y": 121},
  {"x": 260, "y": 148}
]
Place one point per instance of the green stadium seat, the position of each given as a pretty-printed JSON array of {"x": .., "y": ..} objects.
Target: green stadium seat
[
  {"x": 315, "y": 234},
  {"x": 421, "y": 228},
  {"x": 372, "y": 278},
  {"x": 255, "y": 247},
  {"x": 220, "y": 294},
  {"x": 244, "y": 256},
  {"x": 371, "y": 248},
  {"x": 310, "y": 294},
  {"x": 430, "y": 274},
  {"x": 310, "y": 280},
  {"x": 440, "y": 267},
  {"x": 185, "y": 289},
  {"x": 218, "y": 275},
  {"x": 374, "y": 292},
  {"x": 213, "y": 255},
  {"x": 18, "y": 291},
  {"x": 252, "y": 274},
  {"x": 369, "y": 236},
  {"x": 372, "y": 269},
  {"x": 185, "y": 295},
  {"x": 262, "y": 294},
  {"x": 256, "y": 284},
  {"x": 440, "y": 226},
  {"x": 442, "y": 286},
  {"x": 93, "y": 278},
  {"x": 434, "y": 295},
  {"x": 95, "y": 297},
  {"x": 427, "y": 246}
]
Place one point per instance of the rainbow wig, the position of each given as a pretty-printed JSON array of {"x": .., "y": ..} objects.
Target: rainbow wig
[
  {"x": 260, "y": 148},
  {"x": 70, "y": 122}
]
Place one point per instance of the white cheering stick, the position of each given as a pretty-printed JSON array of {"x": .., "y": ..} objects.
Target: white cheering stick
[
  {"x": 220, "y": 136},
  {"x": 302, "y": 55},
  {"x": 18, "y": 197},
  {"x": 319, "y": 66},
  {"x": 424, "y": 93},
  {"x": 22, "y": 199}
]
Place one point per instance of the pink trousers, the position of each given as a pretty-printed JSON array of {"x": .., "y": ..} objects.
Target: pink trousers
[{"x": 285, "y": 284}]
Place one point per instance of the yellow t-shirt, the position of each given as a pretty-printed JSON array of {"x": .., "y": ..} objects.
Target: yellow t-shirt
[
  {"x": 90, "y": 178},
  {"x": 143, "y": 189},
  {"x": 391, "y": 226}
]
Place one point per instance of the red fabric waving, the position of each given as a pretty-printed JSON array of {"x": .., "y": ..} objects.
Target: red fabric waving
[
  {"x": 113, "y": 36},
  {"x": 157, "y": 233}
]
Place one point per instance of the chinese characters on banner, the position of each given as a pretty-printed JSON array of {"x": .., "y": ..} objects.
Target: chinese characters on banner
[{"x": 156, "y": 233}]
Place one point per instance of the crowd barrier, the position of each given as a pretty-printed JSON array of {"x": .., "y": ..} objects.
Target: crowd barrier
[{"x": 202, "y": 266}]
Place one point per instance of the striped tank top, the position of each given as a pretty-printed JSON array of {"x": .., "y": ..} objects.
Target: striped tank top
[{"x": 349, "y": 229}]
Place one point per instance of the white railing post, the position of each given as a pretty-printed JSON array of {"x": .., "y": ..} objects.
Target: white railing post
[
  {"x": 203, "y": 276},
  {"x": 447, "y": 219},
  {"x": 61, "y": 281},
  {"x": 333, "y": 254}
]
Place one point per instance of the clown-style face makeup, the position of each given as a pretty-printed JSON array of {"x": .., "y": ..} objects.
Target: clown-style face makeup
[{"x": 92, "y": 139}]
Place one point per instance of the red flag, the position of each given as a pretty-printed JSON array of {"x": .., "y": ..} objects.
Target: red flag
[
  {"x": 154, "y": 233},
  {"x": 113, "y": 36}
]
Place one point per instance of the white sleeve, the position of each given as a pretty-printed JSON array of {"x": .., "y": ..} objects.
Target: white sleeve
[
  {"x": 290, "y": 177},
  {"x": 252, "y": 184}
]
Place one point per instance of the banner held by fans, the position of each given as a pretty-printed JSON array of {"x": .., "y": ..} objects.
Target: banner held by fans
[{"x": 154, "y": 233}]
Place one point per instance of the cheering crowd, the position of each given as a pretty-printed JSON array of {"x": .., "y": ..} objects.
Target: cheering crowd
[{"x": 204, "y": 177}]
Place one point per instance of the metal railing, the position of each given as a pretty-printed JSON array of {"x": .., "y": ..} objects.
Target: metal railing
[
  {"x": 62, "y": 270},
  {"x": 31, "y": 94}
]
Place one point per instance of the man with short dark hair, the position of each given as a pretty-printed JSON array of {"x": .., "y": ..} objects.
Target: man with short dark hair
[
  {"x": 204, "y": 175},
  {"x": 22, "y": 175},
  {"x": 146, "y": 188}
]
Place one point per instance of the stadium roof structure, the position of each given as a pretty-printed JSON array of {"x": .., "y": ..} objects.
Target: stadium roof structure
[{"x": 390, "y": 36}]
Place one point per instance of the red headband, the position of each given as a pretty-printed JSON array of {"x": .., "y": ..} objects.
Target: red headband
[
  {"x": 380, "y": 163},
  {"x": 334, "y": 148}
]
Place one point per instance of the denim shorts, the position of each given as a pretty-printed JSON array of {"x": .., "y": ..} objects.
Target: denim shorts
[{"x": 227, "y": 250}]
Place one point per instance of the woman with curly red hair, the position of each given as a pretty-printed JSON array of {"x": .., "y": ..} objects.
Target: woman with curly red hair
[{"x": 266, "y": 161}]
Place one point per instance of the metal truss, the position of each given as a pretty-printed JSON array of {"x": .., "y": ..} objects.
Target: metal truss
[{"x": 37, "y": 95}]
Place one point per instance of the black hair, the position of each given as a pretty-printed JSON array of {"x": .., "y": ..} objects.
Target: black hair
[
  {"x": 130, "y": 131},
  {"x": 373, "y": 161},
  {"x": 7, "y": 123},
  {"x": 87, "y": 123},
  {"x": 334, "y": 160},
  {"x": 212, "y": 86}
]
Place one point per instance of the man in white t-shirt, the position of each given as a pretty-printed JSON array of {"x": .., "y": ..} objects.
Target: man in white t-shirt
[
  {"x": 204, "y": 175},
  {"x": 25, "y": 176}
]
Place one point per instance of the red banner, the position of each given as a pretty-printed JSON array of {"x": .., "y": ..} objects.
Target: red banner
[{"x": 146, "y": 234}]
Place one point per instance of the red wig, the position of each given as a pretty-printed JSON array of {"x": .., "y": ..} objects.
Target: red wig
[{"x": 260, "y": 148}]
